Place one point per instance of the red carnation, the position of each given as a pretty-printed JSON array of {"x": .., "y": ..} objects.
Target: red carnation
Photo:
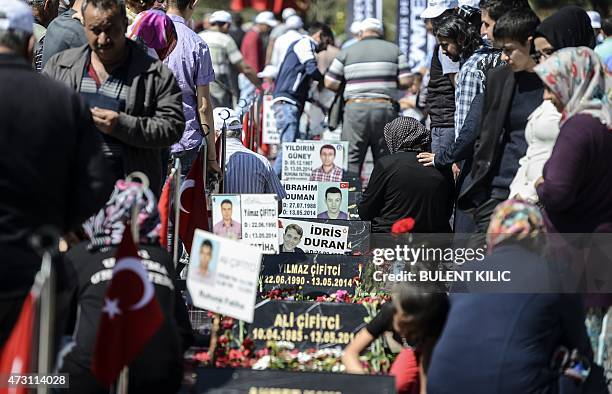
[
  {"x": 227, "y": 323},
  {"x": 223, "y": 340},
  {"x": 247, "y": 343},
  {"x": 403, "y": 226}
]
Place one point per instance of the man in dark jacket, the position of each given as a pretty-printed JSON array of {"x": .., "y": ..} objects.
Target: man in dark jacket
[
  {"x": 298, "y": 70},
  {"x": 53, "y": 171},
  {"x": 135, "y": 100},
  {"x": 512, "y": 93}
]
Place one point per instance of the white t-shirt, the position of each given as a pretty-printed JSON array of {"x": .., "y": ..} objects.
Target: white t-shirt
[
  {"x": 281, "y": 45},
  {"x": 448, "y": 66}
]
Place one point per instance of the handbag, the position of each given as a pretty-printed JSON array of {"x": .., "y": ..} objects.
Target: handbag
[{"x": 336, "y": 111}]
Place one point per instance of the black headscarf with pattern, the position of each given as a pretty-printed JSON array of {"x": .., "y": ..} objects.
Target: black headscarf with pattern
[{"x": 406, "y": 134}]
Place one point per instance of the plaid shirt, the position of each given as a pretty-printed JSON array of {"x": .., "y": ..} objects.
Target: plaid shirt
[
  {"x": 318, "y": 175},
  {"x": 471, "y": 81}
]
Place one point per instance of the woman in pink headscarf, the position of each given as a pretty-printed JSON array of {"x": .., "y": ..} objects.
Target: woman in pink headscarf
[{"x": 154, "y": 30}]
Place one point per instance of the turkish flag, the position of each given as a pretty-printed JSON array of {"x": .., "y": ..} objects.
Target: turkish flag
[
  {"x": 15, "y": 356},
  {"x": 130, "y": 315},
  {"x": 194, "y": 214},
  {"x": 163, "y": 206}
]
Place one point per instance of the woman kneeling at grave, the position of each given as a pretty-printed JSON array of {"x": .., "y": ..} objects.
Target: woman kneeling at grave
[
  {"x": 401, "y": 187},
  {"x": 415, "y": 317},
  {"x": 158, "y": 367}
]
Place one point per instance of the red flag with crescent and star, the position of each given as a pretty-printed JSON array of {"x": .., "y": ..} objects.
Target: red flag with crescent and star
[
  {"x": 15, "y": 355},
  {"x": 130, "y": 315},
  {"x": 194, "y": 213}
]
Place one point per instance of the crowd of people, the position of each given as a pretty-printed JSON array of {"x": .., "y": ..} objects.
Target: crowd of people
[{"x": 503, "y": 132}]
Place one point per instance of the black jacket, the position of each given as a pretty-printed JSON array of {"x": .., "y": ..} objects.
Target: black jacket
[
  {"x": 401, "y": 187},
  {"x": 51, "y": 164},
  {"x": 498, "y": 97},
  {"x": 157, "y": 369}
]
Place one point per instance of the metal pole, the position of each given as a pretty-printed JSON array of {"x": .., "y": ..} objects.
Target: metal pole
[
  {"x": 177, "y": 211},
  {"x": 124, "y": 381},
  {"x": 225, "y": 115},
  {"x": 47, "y": 321}
]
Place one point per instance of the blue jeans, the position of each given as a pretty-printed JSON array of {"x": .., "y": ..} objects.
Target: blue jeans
[
  {"x": 247, "y": 94},
  {"x": 441, "y": 139},
  {"x": 287, "y": 117}
]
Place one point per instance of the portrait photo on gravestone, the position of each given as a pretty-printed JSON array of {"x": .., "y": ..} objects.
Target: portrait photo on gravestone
[
  {"x": 226, "y": 212},
  {"x": 322, "y": 200},
  {"x": 309, "y": 237},
  {"x": 313, "y": 161}
]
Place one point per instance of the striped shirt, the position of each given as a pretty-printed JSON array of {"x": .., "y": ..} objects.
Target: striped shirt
[
  {"x": 471, "y": 81},
  {"x": 247, "y": 172},
  {"x": 371, "y": 69},
  {"x": 223, "y": 51}
]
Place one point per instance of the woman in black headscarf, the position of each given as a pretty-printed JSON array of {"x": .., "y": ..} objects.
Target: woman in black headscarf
[
  {"x": 400, "y": 187},
  {"x": 568, "y": 27}
]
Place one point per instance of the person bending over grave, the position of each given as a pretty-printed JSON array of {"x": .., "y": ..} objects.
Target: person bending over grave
[
  {"x": 415, "y": 316},
  {"x": 333, "y": 201},
  {"x": 400, "y": 187},
  {"x": 158, "y": 368}
]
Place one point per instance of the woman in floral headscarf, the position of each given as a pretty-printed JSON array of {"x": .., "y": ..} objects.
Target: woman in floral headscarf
[
  {"x": 400, "y": 187},
  {"x": 504, "y": 343},
  {"x": 575, "y": 188},
  {"x": 158, "y": 369}
]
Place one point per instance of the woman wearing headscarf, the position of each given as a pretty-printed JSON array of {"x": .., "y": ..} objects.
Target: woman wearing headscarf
[
  {"x": 155, "y": 32},
  {"x": 158, "y": 369},
  {"x": 504, "y": 343},
  {"x": 568, "y": 27},
  {"x": 575, "y": 189},
  {"x": 400, "y": 187}
]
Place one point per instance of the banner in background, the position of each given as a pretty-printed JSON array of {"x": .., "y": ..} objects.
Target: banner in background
[
  {"x": 359, "y": 10},
  {"x": 411, "y": 32}
]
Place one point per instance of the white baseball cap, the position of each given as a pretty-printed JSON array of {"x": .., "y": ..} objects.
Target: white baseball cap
[
  {"x": 355, "y": 27},
  {"x": 294, "y": 22},
  {"x": 435, "y": 8},
  {"x": 287, "y": 12},
  {"x": 595, "y": 19},
  {"x": 220, "y": 16},
  {"x": 469, "y": 3},
  {"x": 221, "y": 114},
  {"x": 16, "y": 15},
  {"x": 371, "y": 24},
  {"x": 266, "y": 18},
  {"x": 269, "y": 71}
]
